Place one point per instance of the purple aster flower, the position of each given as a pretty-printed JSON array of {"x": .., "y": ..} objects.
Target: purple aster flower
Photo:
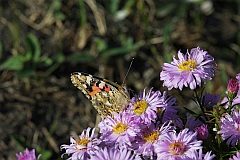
[
  {"x": 235, "y": 101},
  {"x": 209, "y": 100},
  {"x": 200, "y": 156},
  {"x": 173, "y": 118},
  {"x": 238, "y": 76},
  {"x": 202, "y": 132},
  {"x": 145, "y": 141},
  {"x": 230, "y": 127},
  {"x": 113, "y": 153},
  {"x": 190, "y": 70},
  {"x": 119, "y": 130},
  {"x": 181, "y": 145},
  {"x": 145, "y": 105},
  {"x": 235, "y": 157},
  {"x": 169, "y": 104},
  {"x": 192, "y": 122},
  {"x": 170, "y": 110},
  {"x": 82, "y": 148},
  {"x": 27, "y": 155},
  {"x": 208, "y": 156}
]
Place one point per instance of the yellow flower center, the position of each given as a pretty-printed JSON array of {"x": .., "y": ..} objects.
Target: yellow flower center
[
  {"x": 120, "y": 128},
  {"x": 84, "y": 141},
  {"x": 177, "y": 148},
  {"x": 140, "y": 107},
  {"x": 151, "y": 137},
  {"x": 187, "y": 65}
]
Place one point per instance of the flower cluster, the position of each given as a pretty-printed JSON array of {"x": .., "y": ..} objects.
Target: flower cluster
[
  {"x": 152, "y": 128},
  {"x": 144, "y": 130}
]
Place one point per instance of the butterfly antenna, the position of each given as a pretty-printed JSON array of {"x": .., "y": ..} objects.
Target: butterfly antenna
[{"x": 128, "y": 70}]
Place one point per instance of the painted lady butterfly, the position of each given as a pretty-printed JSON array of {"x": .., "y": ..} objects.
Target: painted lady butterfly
[{"x": 106, "y": 96}]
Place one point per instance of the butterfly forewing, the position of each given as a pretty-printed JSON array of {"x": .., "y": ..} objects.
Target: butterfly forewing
[{"x": 106, "y": 96}]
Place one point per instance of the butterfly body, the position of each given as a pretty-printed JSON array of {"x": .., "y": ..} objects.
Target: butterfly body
[{"x": 106, "y": 96}]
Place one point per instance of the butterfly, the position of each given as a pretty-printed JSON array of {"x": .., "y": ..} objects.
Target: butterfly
[{"x": 107, "y": 97}]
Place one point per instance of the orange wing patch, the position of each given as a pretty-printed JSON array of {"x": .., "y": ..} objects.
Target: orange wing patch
[
  {"x": 95, "y": 89},
  {"x": 107, "y": 88}
]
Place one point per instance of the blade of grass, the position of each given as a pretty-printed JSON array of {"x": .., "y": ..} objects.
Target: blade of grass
[
  {"x": 122, "y": 50},
  {"x": 82, "y": 13}
]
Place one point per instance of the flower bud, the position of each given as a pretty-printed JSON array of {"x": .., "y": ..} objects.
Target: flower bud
[
  {"x": 202, "y": 132},
  {"x": 232, "y": 86}
]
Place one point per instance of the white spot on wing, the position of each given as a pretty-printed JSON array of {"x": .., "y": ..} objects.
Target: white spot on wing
[
  {"x": 101, "y": 85},
  {"x": 104, "y": 94},
  {"x": 89, "y": 79},
  {"x": 108, "y": 104},
  {"x": 84, "y": 85}
]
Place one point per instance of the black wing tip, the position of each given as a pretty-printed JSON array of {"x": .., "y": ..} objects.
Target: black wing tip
[
  {"x": 74, "y": 73},
  {"x": 80, "y": 73}
]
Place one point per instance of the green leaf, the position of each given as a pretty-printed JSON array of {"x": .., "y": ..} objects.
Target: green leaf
[
  {"x": 122, "y": 50},
  {"x": 100, "y": 44},
  {"x": 34, "y": 47},
  {"x": 57, "y": 5},
  {"x": 57, "y": 60},
  {"x": 82, "y": 13},
  {"x": 191, "y": 112},
  {"x": 18, "y": 141},
  {"x": 26, "y": 72},
  {"x": 166, "y": 9},
  {"x": 80, "y": 57},
  {"x": 28, "y": 56},
  {"x": 60, "y": 16},
  {"x": 45, "y": 61},
  {"x": 15, "y": 63},
  {"x": 112, "y": 5},
  {"x": 45, "y": 155},
  {"x": 57, "y": 10}
]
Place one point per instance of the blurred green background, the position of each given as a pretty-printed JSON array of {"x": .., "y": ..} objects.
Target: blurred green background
[{"x": 42, "y": 42}]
